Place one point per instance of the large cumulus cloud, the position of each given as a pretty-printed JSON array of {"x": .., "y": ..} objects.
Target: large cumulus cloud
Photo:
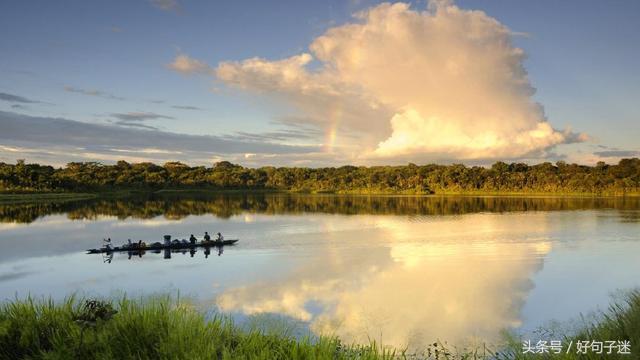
[{"x": 413, "y": 85}]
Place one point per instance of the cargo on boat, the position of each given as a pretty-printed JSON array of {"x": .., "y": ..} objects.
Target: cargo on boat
[{"x": 168, "y": 244}]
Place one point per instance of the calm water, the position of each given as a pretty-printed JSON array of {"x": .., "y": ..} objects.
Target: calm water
[{"x": 403, "y": 270}]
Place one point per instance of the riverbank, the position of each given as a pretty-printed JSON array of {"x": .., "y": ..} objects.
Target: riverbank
[
  {"x": 25, "y": 197},
  {"x": 12, "y": 198},
  {"x": 164, "y": 329}
]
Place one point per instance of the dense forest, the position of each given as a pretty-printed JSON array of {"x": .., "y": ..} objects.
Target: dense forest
[{"x": 620, "y": 179}]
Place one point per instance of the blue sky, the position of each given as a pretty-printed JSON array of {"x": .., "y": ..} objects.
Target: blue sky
[{"x": 107, "y": 64}]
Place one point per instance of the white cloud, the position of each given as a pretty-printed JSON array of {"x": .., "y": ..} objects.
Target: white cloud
[
  {"x": 414, "y": 85},
  {"x": 187, "y": 65},
  {"x": 165, "y": 5}
]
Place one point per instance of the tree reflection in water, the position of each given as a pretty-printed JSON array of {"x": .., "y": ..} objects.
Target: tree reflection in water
[{"x": 225, "y": 205}]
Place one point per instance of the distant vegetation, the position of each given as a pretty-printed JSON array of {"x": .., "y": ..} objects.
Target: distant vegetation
[
  {"x": 620, "y": 179},
  {"x": 165, "y": 329}
]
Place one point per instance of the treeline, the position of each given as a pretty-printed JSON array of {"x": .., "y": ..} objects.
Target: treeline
[{"x": 623, "y": 178}]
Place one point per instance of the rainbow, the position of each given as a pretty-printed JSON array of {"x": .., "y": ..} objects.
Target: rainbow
[{"x": 332, "y": 130}]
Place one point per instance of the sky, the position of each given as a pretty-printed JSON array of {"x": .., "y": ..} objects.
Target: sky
[{"x": 319, "y": 83}]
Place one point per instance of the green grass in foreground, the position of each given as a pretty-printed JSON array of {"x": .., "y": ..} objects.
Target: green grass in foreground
[
  {"x": 619, "y": 323},
  {"x": 153, "y": 329},
  {"x": 165, "y": 329}
]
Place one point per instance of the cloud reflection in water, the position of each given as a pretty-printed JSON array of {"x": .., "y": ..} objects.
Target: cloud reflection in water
[{"x": 463, "y": 280}]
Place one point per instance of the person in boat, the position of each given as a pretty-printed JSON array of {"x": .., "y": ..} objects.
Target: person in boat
[
  {"x": 220, "y": 237},
  {"x": 192, "y": 239},
  {"x": 206, "y": 236}
]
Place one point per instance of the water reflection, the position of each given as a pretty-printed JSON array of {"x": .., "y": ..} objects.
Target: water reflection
[
  {"x": 166, "y": 253},
  {"x": 463, "y": 284},
  {"x": 403, "y": 270},
  {"x": 221, "y": 205}
]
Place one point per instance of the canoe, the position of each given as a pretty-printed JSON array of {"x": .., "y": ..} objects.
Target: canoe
[
  {"x": 216, "y": 243},
  {"x": 158, "y": 246}
]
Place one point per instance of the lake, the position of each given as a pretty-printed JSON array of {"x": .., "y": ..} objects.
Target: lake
[{"x": 403, "y": 270}]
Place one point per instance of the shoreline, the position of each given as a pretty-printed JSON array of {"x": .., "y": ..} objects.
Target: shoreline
[{"x": 22, "y": 197}]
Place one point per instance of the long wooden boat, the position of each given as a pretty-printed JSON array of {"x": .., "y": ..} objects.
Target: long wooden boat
[{"x": 161, "y": 246}]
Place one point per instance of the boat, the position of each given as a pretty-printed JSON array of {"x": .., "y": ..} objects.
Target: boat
[{"x": 160, "y": 246}]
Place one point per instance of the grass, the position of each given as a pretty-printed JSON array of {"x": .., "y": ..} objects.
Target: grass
[
  {"x": 35, "y": 196},
  {"x": 621, "y": 322},
  {"x": 165, "y": 328},
  {"x": 13, "y": 198},
  {"x": 151, "y": 329}
]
